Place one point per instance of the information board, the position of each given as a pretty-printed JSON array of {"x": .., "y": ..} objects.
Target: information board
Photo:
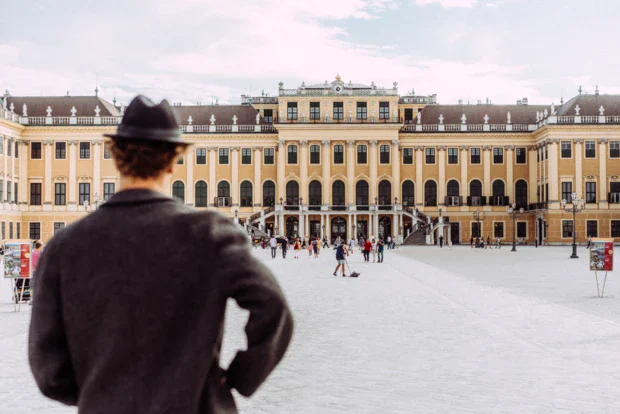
[
  {"x": 17, "y": 259},
  {"x": 602, "y": 255}
]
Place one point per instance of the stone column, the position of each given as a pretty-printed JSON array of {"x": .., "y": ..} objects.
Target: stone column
[
  {"x": 372, "y": 153},
  {"x": 280, "y": 171},
  {"x": 533, "y": 178},
  {"x": 350, "y": 173},
  {"x": 97, "y": 170},
  {"x": 303, "y": 170},
  {"x": 23, "y": 175},
  {"x": 72, "y": 203},
  {"x": 602, "y": 151},
  {"x": 258, "y": 185},
  {"x": 464, "y": 165},
  {"x": 396, "y": 188},
  {"x": 212, "y": 177},
  {"x": 48, "y": 191},
  {"x": 322, "y": 224},
  {"x": 553, "y": 172},
  {"x": 301, "y": 225},
  {"x": 510, "y": 185},
  {"x": 189, "y": 179},
  {"x": 578, "y": 168},
  {"x": 441, "y": 186},
  {"x": 13, "y": 181},
  {"x": 5, "y": 145},
  {"x": 325, "y": 172},
  {"x": 419, "y": 178},
  {"x": 234, "y": 191},
  {"x": 486, "y": 185}
]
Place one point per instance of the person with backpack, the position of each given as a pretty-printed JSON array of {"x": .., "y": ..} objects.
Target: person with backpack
[{"x": 341, "y": 251}]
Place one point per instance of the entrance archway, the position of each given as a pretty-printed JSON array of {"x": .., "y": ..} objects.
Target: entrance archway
[
  {"x": 292, "y": 227},
  {"x": 385, "y": 227},
  {"x": 339, "y": 228}
]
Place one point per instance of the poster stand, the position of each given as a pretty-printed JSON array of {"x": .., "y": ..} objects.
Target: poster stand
[
  {"x": 601, "y": 260},
  {"x": 18, "y": 268},
  {"x": 600, "y": 292}
]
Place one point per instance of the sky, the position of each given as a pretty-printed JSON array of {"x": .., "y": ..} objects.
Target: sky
[{"x": 192, "y": 51}]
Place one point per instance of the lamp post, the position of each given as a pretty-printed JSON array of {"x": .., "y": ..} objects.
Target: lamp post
[
  {"x": 575, "y": 206},
  {"x": 512, "y": 212}
]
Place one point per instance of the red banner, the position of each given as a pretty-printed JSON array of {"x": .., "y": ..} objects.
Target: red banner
[{"x": 24, "y": 261}]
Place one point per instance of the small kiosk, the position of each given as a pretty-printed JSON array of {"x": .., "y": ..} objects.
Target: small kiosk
[
  {"x": 18, "y": 268},
  {"x": 601, "y": 260}
]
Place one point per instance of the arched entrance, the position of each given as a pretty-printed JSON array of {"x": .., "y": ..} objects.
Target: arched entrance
[
  {"x": 385, "y": 227},
  {"x": 292, "y": 227},
  {"x": 339, "y": 228}
]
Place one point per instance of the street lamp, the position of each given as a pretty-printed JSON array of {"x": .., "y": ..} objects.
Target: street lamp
[
  {"x": 575, "y": 206},
  {"x": 512, "y": 212}
]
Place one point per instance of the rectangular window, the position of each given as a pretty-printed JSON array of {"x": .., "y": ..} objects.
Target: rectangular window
[
  {"x": 16, "y": 192},
  {"x": 223, "y": 159},
  {"x": 84, "y": 150},
  {"x": 521, "y": 229},
  {"x": 315, "y": 111},
  {"x": 538, "y": 155},
  {"x": 567, "y": 191},
  {"x": 8, "y": 147},
  {"x": 107, "y": 154},
  {"x": 246, "y": 156},
  {"x": 474, "y": 156},
  {"x": 590, "y": 149},
  {"x": 58, "y": 225},
  {"x": 475, "y": 229},
  {"x": 268, "y": 156},
  {"x": 362, "y": 110},
  {"x": 384, "y": 154},
  {"x": 315, "y": 154},
  {"x": 18, "y": 227},
  {"x": 16, "y": 149},
  {"x": 567, "y": 228},
  {"x": 520, "y": 155},
  {"x": 180, "y": 160},
  {"x": 3, "y": 229},
  {"x": 498, "y": 155},
  {"x": 338, "y": 154},
  {"x": 201, "y": 156},
  {"x": 35, "y": 231},
  {"x": 430, "y": 155},
  {"x": 384, "y": 110},
  {"x": 9, "y": 199},
  {"x": 590, "y": 192},
  {"x": 546, "y": 152},
  {"x": 10, "y": 230},
  {"x": 60, "y": 194},
  {"x": 292, "y": 154},
  {"x": 338, "y": 111},
  {"x": 362, "y": 154},
  {"x": 408, "y": 156},
  {"x": 268, "y": 116},
  {"x": 498, "y": 230},
  {"x": 61, "y": 150},
  {"x": 108, "y": 191},
  {"x": 84, "y": 193},
  {"x": 291, "y": 110},
  {"x": 592, "y": 228},
  {"x": 567, "y": 149},
  {"x": 35, "y": 150},
  {"x": 2, "y": 151},
  {"x": 1, "y": 188},
  {"x": 453, "y": 155},
  {"x": 614, "y": 149},
  {"x": 615, "y": 228},
  {"x": 35, "y": 194}
]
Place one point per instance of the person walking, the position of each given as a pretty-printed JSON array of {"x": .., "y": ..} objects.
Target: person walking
[
  {"x": 297, "y": 249},
  {"x": 498, "y": 242},
  {"x": 488, "y": 245},
  {"x": 589, "y": 242},
  {"x": 471, "y": 242},
  {"x": 157, "y": 350},
  {"x": 351, "y": 245},
  {"x": 380, "y": 246},
  {"x": 441, "y": 241},
  {"x": 341, "y": 251},
  {"x": 315, "y": 247},
  {"x": 367, "y": 249},
  {"x": 389, "y": 242},
  {"x": 284, "y": 246},
  {"x": 310, "y": 246},
  {"x": 36, "y": 255},
  {"x": 274, "y": 246},
  {"x": 374, "y": 250}
]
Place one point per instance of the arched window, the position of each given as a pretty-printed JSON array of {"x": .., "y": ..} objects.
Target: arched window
[
  {"x": 453, "y": 188},
  {"x": 385, "y": 193},
  {"x": 223, "y": 194},
  {"x": 475, "y": 194},
  {"x": 521, "y": 194},
  {"x": 178, "y": 190},
  {"x": 338, "y": 195},
  {"x": 315, "y": 194},
  {"x": 498, "y": 198},
  {"x": 430, "y": 193},
  {"x": 361, "y": 195},
  {"x": 200, "y": 194},
  {"x": 292, "y": 193},
  {"x": 245, "y": 194},
  {"x": 269, "y": 194},
  {"x": 408, "y": 194}
]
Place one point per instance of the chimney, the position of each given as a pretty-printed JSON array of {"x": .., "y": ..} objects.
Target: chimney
[
  {"x": 524, "y": 100},
  {"x": 460, "y": 102}
]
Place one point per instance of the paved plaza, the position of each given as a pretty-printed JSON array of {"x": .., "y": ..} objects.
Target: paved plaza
[{"x": 429, "y": 330}]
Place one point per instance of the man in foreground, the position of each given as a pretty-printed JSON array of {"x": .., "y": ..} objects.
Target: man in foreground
[
  {"x": 341, "y": 251},
  {"x": 129, "y": 309}
]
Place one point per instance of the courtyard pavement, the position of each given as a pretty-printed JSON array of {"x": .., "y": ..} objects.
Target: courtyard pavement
[{"x": 428, "y": 331}]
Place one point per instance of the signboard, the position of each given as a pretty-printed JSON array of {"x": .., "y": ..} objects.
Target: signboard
[
  {"x": 17, "y": 259},
  {"x": 602, "y": 255}
]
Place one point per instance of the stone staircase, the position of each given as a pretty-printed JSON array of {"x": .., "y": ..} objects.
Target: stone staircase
[{"x": 417, "y": 238}]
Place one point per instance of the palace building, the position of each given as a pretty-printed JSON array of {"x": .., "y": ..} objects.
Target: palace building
[{"x": 336, "y": 159}]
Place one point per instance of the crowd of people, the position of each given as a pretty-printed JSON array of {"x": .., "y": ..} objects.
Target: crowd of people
[{"x": 480, "y": 243}]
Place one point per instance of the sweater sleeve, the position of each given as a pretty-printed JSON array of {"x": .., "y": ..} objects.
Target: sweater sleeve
[
  {"x": 48, "y": 351},
  {"x": 270, "y": 325}
]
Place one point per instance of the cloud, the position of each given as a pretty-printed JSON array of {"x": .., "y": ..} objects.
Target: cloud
[{"x": 447, "y": 3}]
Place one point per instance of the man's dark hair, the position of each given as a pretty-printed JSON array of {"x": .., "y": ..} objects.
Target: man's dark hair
[{"x": 144, "y": 160}]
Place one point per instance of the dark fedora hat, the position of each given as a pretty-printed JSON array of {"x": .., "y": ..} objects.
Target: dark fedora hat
[{"x": 146, "y": 121}]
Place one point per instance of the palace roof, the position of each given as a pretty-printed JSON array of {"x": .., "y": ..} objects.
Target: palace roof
[
  {"x": 223, "y": 114},
  {"x": 498, "y": 114},
  {"x": 61, "y": 105},
  {"x": 591, "y": 105}
]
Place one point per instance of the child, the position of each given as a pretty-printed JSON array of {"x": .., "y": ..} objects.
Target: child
[{"x": 297, "y": 248}]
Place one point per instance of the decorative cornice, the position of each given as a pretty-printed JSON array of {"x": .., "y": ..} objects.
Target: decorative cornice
[
  {"x": 211, "y": 148},
  {"x": 326, "y": 143},
  {"x": 442, "y": 148},
  {"x": 464, "y": 147},
  {"x": 60, "y": 178},
  {"x": 418, "y": 147},
  {"x": 303, "y": 143},
  {"x": 72, "y": 142},
  {"x": 257, "y": 148},
  {"x": 85, "y": 178},
  {"x": 350, "y": 144},
  {"x": 233, "y": 149},
  {"x": 96, "y": 142},
  {"x": 487, "y": 147},
  {"x": 280, "y": 143},
  {"x": 603, "y": 140},
  {"x": 24, "y": 142},
  {"x": 46, "y": 143},
  {"x": 396, "y": 143},
  {"x": 510, "y": 147},
  {"x": 373, "y": 143},
  {"x": 579, "y": 141}
]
